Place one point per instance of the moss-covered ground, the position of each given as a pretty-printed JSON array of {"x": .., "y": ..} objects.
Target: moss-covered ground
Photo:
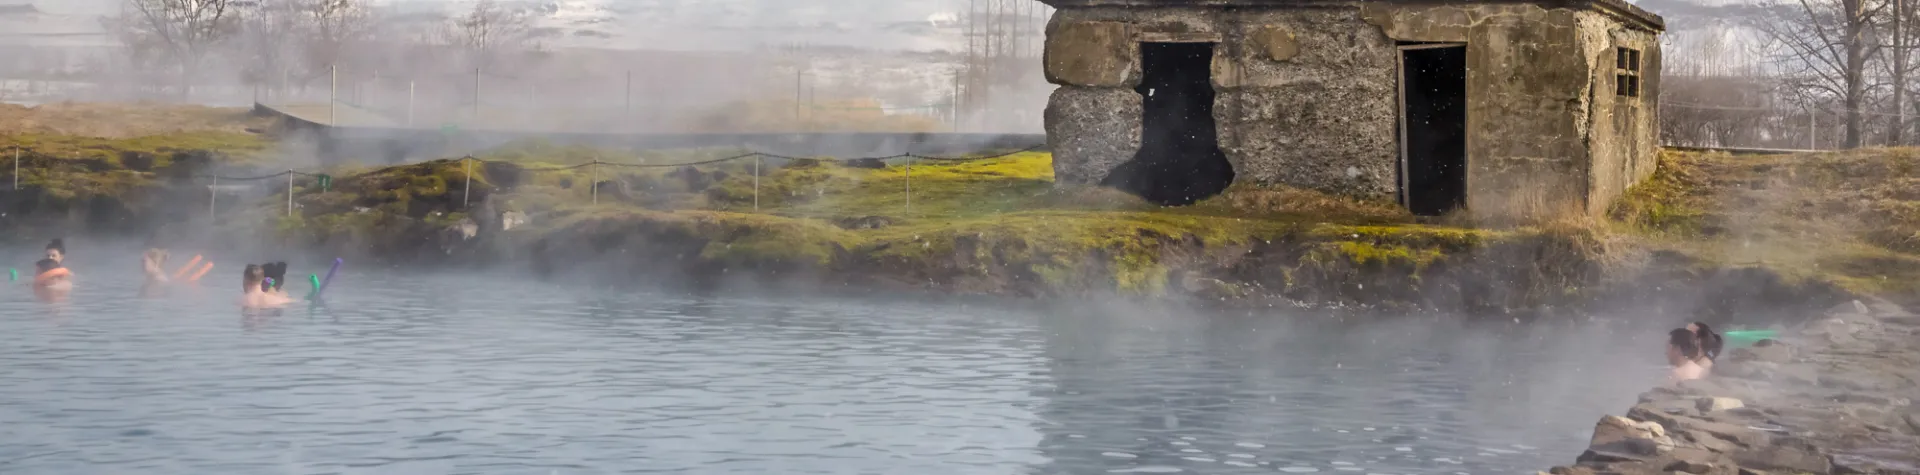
[
  {"x": 1001, "y": 224},
  {"x": 1850, "y": 217}
]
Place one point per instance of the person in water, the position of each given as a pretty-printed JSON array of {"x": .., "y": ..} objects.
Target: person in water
[
  {"x": 57, "y": 251},
  {"x": 154, "y": 264},
  {"x": 52, "y": 282},
  {"x": 1710, "y": 343},
  {"x": 1683, "y": 352},
  {"x": 256, "y": 293}
]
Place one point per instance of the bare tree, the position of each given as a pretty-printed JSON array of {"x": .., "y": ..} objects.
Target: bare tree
[
  {"x": 265, "y": 56},
  {"x": 175, "y": 33},
  {"x": 1823, "y": 47},
  {"x": 333, "y": 29},
  {"x": 488, "y": 31}
]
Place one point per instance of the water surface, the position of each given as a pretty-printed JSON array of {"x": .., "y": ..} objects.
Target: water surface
[{"x": 442, "y": 373}]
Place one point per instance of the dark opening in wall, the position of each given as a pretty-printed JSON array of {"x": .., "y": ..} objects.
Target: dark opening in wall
[
  {"x": 1180, "y": 161},
  {"x": 1433, "y": 128}
]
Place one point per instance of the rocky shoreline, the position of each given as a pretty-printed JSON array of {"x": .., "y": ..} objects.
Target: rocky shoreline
[{"x": 1832, "y": 396}]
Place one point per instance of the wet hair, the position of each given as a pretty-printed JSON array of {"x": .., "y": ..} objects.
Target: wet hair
[
  {"x": 251, "y": 277},
  {"x": 57, "y": 245},
  {"x": 276, "y": 271},
  {"x": 46, "y": 265},
  {"x": 1710, "y": 342},
  {"x": 1685, "y": 341}
]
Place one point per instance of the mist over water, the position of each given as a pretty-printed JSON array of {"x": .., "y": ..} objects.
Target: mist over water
[{"x": 439, "y": 373}]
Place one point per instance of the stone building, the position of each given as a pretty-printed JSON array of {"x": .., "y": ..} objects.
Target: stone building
[{"x": 1507, "y": 108}]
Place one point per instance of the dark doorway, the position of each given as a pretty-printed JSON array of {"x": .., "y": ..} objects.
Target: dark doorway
[
  {"x": 1433, "y": 128},
  {"x": 1180, "y": 161}
]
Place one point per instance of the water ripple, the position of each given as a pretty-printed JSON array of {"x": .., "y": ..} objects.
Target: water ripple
[{"x": 481, "y": 374}]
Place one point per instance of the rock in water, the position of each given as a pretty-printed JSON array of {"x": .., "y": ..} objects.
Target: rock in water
[
  {"x": 1713, "y": 404},
  {"x": 1620, "y": 435}
]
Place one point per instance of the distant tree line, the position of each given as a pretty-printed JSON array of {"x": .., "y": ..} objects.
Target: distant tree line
[
  {"x": 1795, "y": 74},
  {"x": 276, "y": 44}
]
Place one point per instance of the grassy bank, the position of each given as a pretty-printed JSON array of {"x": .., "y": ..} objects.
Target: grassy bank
[
  {"x": 1001, "y": 226},
  {"x": 1848, "y": 217}
]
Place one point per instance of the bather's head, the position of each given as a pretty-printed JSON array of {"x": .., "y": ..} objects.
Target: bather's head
[
  {"x": 57, "y": 250},
  {"x": 1710, "y": 342},
  {"x": 46, "y": 265},
  {"x": 252, "y": 277},
  {"x": 1682, "y": 346}
]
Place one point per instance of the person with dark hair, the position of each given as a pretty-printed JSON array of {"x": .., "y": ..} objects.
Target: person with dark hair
[
  {"x": 1683, "y": 352},
  {"x": 57, "y": 250},
  {"x": 51, "y": 281},
  {"x": 1710, "y": 343}
]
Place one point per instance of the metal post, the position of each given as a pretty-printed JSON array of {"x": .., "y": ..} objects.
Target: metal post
[
  {"x": 410, "y": 89},
  {"x": 594, "y": 185},
  {"x": 467, "y": 192},
  {"x": 756, "y": 182},
  {"x": 333, "y": 103},
  {"x": 956, "y": 101},
  {"x": 476, "y": 96},
  {"x": 289, "y": 192},
  {"x": 16, "y": 168},
  {"x": 909, "y": 184},
  {"x": 213, "y": 195},
  {"x": 796, "y": 95},
  {"x": 1813, "y": 130}
]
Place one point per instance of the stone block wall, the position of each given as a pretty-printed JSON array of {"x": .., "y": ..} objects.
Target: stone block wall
[{"x": 1309, "y": 97}]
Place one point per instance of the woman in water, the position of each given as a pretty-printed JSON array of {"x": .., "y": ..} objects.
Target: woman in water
[
  {"x": 1710, "y": 343},
  {"x": 256, "y": 294},
  {"x": 52, "y": 281},
  {"x": 1683, "y": 352}
]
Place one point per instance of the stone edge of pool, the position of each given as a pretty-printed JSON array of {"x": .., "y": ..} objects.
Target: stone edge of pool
[{"x": 1832, "y": 396}]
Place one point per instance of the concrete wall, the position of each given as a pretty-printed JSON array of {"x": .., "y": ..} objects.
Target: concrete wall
[
  {"x": 1623, "y": 131},
  {"x": 1309, "y": 97}
]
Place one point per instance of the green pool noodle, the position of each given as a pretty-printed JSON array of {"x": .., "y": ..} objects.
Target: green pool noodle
[
  {"x": 315, "y": 280},
  {"x": 1750, "y": 334}
]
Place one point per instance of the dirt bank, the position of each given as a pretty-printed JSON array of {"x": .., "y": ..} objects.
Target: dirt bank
[{"x": 1832, "y": 396}]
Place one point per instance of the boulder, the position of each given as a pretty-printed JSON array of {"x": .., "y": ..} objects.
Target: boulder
[
  {"x": 1715, "y": 404},
  {"x": 1828, "y": 326},
  {"x": 1771, "y": 351},
  {"x": 1850, "y": 308},
  {"x": 1615, "y": 435},
  {"x": 1563, "y": 470},
  {"x": 1786, "y": 455},
  {"x": 1689, "y": 466}
]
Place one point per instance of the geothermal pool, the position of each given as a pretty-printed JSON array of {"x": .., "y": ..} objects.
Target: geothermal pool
[{"x": 440, "y": 373}]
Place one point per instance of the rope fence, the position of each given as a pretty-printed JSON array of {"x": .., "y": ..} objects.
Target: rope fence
[{"x": 594, "y": 187}]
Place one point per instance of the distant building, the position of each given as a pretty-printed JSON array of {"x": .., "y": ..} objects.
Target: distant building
[{"x": 1507, "y": 108}]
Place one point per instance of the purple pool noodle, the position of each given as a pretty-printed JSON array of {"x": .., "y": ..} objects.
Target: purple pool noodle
[{"x": 329, "y": 280}]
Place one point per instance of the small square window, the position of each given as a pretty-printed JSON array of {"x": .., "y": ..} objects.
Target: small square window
[{"x": 1626, "y": 78}]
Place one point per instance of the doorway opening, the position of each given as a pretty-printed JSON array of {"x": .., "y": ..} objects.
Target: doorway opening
[
  {"x": 1433, "y": 127},
  {"x": 1179, "y": 161}
]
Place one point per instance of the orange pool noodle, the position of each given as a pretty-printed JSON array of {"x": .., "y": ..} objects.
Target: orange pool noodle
[
  {"x": 183, "y": 269},
  {"x": 203, "y": 271}
]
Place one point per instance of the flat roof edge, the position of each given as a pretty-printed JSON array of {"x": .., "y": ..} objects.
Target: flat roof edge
[{"x": 1619, "y": 9}]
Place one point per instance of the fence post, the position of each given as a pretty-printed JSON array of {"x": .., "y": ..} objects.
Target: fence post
[
  {"x": 333, "y": 98},
  {"x": 909, "y": 183},
  {"x": 213, "y": 195},
  {"x": 593, "y": 185},
  {"x": 467, "y": 191},
  {"x": 289, "y": 192}
]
